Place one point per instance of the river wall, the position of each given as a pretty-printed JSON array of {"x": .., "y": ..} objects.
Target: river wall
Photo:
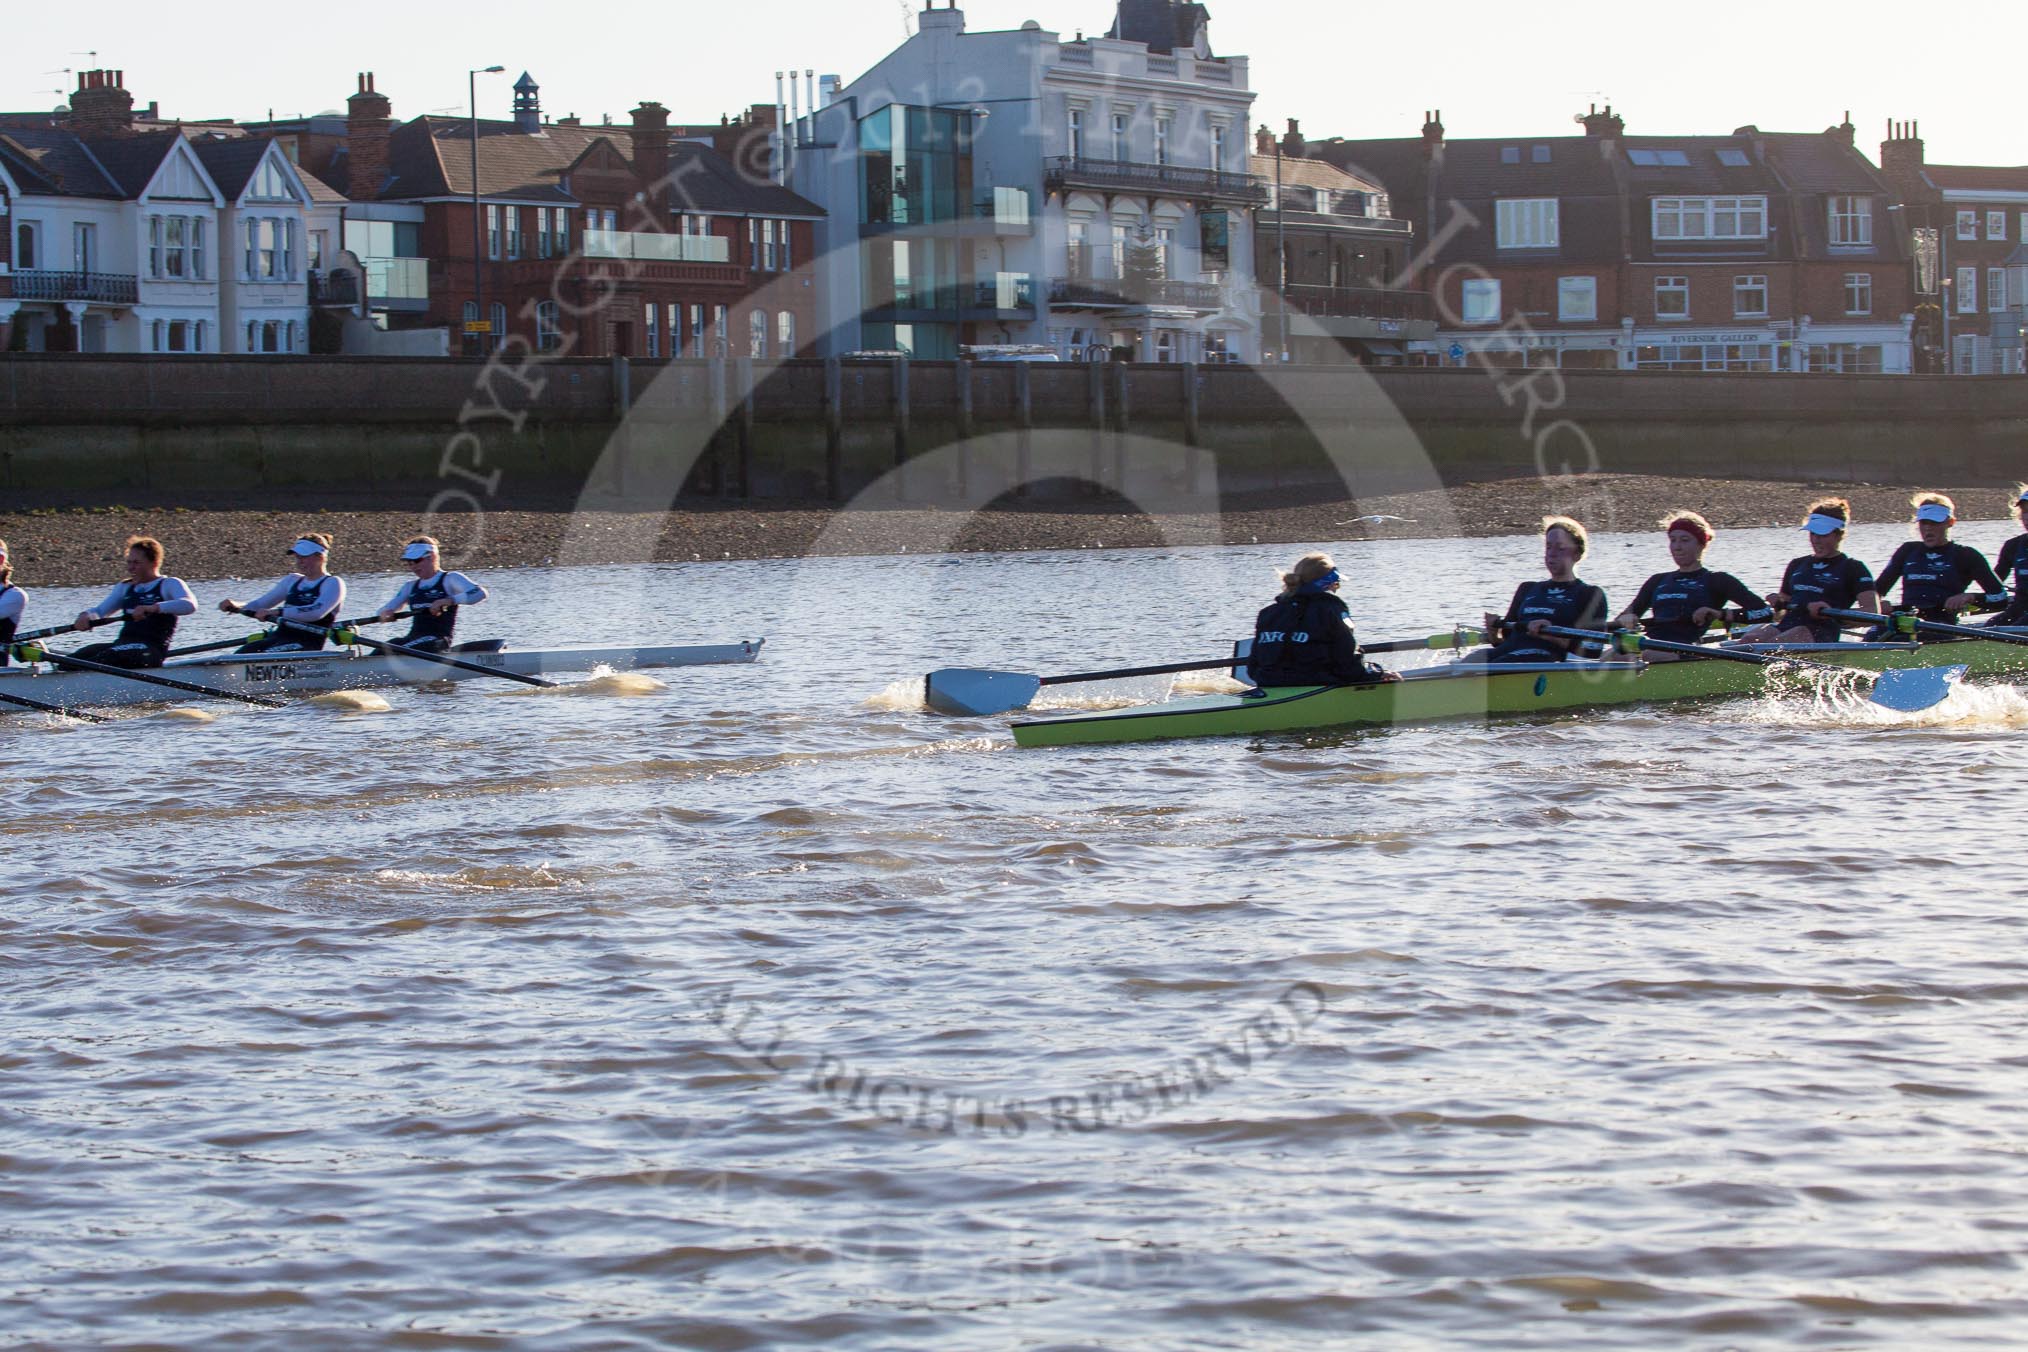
[{"x": 101, "y": 426}]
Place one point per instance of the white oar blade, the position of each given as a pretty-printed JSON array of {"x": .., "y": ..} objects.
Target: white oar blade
[
  {"x": 1915, "y": 689},
  {"x": 975, "y": 694}
]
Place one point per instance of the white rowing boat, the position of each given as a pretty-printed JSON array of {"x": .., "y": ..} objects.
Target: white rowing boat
[{"x": 341, "y": 669}]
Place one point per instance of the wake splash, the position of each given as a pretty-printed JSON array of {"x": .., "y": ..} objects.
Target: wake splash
[{"x": 1970, "y": 708}]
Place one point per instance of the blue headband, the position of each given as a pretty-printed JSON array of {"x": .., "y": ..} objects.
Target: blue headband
[{"x": 1320, "y": 584}]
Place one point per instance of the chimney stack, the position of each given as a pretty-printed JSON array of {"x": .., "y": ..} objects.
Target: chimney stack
[
  {"x": 1292, "y": 140},
  {"x": 1603, "y": 126},
  {"x": 369, "y": 124},
  {"x": 651, "y": 152},
  {"x": 101, "y": 105},
  {"x": 1845, "y": 131},
  {"x": 1432, "y": 134},
  {"x": 1263, "y": 141},
  {"x": 1901, "y": 159}
]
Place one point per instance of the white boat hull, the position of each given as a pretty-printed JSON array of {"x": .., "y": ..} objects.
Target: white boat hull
[{"x": 339, "y": 669}]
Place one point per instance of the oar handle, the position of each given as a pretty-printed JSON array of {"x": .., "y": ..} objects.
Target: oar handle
[
  {"x": 1902, "y": 623},
  {"x": 1632, "y": 641},
  {"x": 59, "y": 630}
]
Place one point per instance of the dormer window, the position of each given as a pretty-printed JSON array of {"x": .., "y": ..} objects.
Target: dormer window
[{"x": 1852, "y": 220}]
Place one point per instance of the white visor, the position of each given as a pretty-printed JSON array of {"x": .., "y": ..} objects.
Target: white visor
[
  {"x": 306, "y": 548},
  {"x": 1933, "y": 511},
  {"x": 416, "y": 551},
  {"x": 1820, "y": 524}
]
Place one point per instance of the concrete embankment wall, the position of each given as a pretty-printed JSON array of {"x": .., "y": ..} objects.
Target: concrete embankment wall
[{"x": 105, "y": 425}]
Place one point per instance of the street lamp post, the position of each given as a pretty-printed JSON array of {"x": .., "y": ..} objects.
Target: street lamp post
[{"x": 478, "y": 250}]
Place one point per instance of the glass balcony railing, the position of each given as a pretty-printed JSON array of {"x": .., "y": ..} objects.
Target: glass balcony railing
[
  {"x": 1009, "y": 208},
  {"x": 397, "y": 279},
  {"x": 650, "y": 247},
  {"x": 1005, "y": 291}
]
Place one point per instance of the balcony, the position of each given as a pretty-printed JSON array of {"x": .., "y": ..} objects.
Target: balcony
[
  {"x": 1009, "y": 211},
  {"x": 1067, "y": 172},
  {"x": 95, "y": 288},
  {"x": 655, "y": 247},
  {"x": 1369, "y": 312},
  {"x": 398, "y": 284},
  {"x": 1004, "y": 296},
  {"x": 338, "y": 288},
  {"x": 1111, "y": 293}
]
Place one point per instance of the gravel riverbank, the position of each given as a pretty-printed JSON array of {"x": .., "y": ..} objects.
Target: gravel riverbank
[{"x": 65, "y": 544}]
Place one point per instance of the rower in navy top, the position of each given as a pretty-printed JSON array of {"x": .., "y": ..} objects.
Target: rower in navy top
[
  {"x": 13, "y": 601},
  {"x": 310, "y": 595},
  {"x": 151, "y": 604},
  {"x": 1305, "y": 637},
  {"x": 434, "y": 595},
  {"x": 2013, "y": 569},
  {"x": 1826, "y": 578},
  {"x": 1562, "y": 600},
  {"x": 1937, "y": 576},
  {"x": 1690, "y": 599}
]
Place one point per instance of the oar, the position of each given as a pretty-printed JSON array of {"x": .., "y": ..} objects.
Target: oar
[
  {"x": 1906, "y": 690},
  {"x": 970, "y": 693},
  {"x": 57, "y": 631},
  {"x": 26, "y": 703},
  {"x": 223, "y": 644},
  {"x": 1910, "y": 624},
  {"x": 346, "y": 638},
  {"x": 36, "y": 653}
]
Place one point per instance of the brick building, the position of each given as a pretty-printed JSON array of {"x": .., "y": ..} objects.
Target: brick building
[
  {"x": 1970, "y": 225},
  {"x": 1330, "y": 253},
  {"x": 599, "y": 240},
  {"x": 1757, "y": 251}
]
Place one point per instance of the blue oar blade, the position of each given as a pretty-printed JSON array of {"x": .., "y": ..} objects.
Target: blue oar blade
[
  {"x": 975, "y": 694},
  {"x": 1914, "y": 689}
]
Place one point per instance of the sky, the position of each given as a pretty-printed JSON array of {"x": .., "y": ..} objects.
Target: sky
[{"x": 1494, "y": 69}]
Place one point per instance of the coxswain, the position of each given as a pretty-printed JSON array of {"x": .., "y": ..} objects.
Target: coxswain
[
  {"x": 433, "y": 595},
  {"x": 1304, "y": 637},
  {"x": 1685, "y": 602},
  {"x": 1938, "y": 577},
  {"x": 2013, "y": 567},
  {"x": 151, "y": 604},
  {"x": 1826, "y": 578},
  {"x": 13, "y": 601},
  {"x": 1561, "y": 600},
  {"x": 309, "y": 595}
]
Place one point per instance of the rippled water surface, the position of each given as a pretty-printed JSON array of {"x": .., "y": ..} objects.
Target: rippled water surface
[{"x": 760, "y": 1008}]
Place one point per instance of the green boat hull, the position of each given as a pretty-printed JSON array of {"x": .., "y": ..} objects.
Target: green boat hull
[{"x": 1451, "y": 692}]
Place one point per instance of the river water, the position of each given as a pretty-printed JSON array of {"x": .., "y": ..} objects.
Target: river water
[{"x": 761, "y": 1008}]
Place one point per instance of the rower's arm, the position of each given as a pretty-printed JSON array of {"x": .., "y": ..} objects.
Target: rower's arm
[
  {"x": 272, "y": 596},
  {"x": 1982, "y": 571},
  {"x": 399, "y": 599},
  {"x": 12, "y": 602},
  {"x": 176, "y": 598},
  {"x": 463, "y": 590},
  {"x": 1731, "y": 589},
  {"x": 110, "y": 604},
  {"x": 1891, "y": 574}
]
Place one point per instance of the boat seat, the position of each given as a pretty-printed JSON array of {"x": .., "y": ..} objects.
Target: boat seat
[{"x": 482, "y": 645}]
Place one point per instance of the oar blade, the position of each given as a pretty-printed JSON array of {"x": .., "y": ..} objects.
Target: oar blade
[
  {"x": 976, "y": 694},
  {"x": 1913, "y": 689}
]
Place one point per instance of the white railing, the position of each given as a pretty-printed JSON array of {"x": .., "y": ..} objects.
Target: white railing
[{"x": 644, "y": 247}]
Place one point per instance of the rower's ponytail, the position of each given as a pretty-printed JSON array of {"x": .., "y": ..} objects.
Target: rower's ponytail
[
  {"x": 1837, "y": 507},
  {"x": 1308, "y": 569},
  {"x": 6, "y": 569}
]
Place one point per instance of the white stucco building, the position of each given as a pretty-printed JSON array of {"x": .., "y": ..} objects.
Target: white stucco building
[
  {"x": 1090, "y": 195},
  {"x": 151, "y": 241}
]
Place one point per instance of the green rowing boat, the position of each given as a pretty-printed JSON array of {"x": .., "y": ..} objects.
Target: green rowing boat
[{"x": 1454, "y": 691}]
